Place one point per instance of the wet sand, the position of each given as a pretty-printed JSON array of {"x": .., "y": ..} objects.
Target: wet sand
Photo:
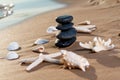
[{"x": 104, "y": 65}]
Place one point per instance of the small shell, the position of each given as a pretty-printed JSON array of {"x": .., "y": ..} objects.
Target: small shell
[
  {"x": 41, "y": 41},
  {"x": 51, "y": 29},
  {"x": 13, "y": 46},
  {"x": 12, "y": 56},
  {"x": 39, "y": 49}
]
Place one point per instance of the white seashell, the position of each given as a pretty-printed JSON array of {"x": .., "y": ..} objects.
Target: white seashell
[
  {"x": 98, "y": 45},
  {"x": 85, "y": 28},
  {"x": 12, "y": 56},
  {"x": 72, "y": 60},
  {"x": 85, "y": 23},
  {"x": 39, "y": 49},
  {"x": 13, "y": 46},
  {"x": 41, "y": 41},
  {"x": 51, "y": 29}
]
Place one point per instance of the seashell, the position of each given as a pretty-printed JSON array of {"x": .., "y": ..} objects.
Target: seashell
[
  {"x": 12, "y": 56},
  {"x": 39, "y": 49},
  {"x": 51, "y": 29},
  {"x": 13, "y": 46},
  {"x": 86, "y": 28},
  {"x": 7, "y": 9},
  {"x": 41, "y": 41},
  {"x": 98, "y": 45},
  {"x": 72, "y": 60},
  {"x": 85, "y": 23}
]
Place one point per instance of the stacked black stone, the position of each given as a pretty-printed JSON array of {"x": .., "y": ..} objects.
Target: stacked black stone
[{"x": 67, "y": 36}]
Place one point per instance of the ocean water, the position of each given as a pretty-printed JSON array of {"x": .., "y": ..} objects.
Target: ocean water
[{"x": 25, "y": 9}]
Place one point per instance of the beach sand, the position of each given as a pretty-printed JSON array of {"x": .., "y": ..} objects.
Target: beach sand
[{"x": 104, "y": 65}]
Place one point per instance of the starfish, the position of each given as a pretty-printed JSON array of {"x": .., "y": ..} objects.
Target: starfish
[{"x": 69, "y": 60}]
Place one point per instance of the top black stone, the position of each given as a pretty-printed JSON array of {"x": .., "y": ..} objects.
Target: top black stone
[{"x": 64, "y": 19}]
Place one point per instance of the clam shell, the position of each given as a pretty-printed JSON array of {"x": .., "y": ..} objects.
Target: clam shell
[
  {"x": 41, "y": 41},
  {"x": 13, "y": 46},
  {"x": 12, "y": 56}
]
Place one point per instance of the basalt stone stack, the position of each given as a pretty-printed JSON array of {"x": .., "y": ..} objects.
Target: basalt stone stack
[{"x": 67, "y": 36}]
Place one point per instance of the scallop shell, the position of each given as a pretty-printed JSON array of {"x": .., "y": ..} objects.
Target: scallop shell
[
  {"x": 41, "y": 41},
  {"x": 12, "y": 56},
  {"x": 13, "y": 46}
]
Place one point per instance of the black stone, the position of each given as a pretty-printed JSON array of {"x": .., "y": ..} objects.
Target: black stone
[
  {"x": 65, "y": 43},
  {"x": 65, "y": 26},
  {"x": 64, "y": 19},
  {"x": 67, "y": 34}
]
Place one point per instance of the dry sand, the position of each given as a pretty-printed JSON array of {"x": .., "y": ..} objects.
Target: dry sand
[{"x": 104, "y": 65}]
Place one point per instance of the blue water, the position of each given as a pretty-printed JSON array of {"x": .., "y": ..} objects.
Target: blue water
[{"x": 25, "y": 9}]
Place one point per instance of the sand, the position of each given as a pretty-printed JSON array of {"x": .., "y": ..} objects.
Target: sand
[{"x": 104, "y": 65}]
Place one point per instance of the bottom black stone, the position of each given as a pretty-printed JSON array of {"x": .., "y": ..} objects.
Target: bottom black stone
[{"x": 65, "y": 43}]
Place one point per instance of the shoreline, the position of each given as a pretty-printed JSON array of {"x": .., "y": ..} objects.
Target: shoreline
[
  {"x": 21, "y": 14},
  {"x": 25, "y": 33}
]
